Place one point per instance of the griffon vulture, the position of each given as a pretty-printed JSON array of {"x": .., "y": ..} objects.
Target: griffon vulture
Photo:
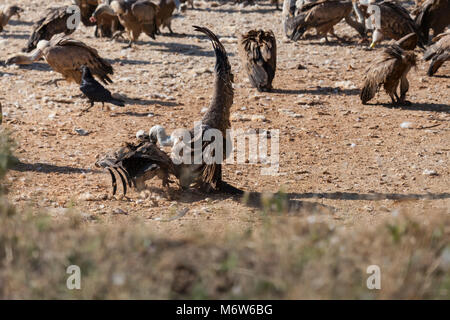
[
  {"x": 66, "y": 56},
  {"x": 322, "y": 15},
  {"x": 137, "y": 16},
  {"x": 258, "y": 51},
  {"x": 6, "y": 12},
  {"x": 434, "y": 14},
  {"x": 106, "y": 21},
  {"x": 389, "y": 69},
  {"x": 53, "y": 22}
]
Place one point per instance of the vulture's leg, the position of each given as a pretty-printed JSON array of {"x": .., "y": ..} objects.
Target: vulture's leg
[
  {"x": 117, "y": 34},
  {"x": 96, "y": 31},
  {"x": 404, "y": 87}
]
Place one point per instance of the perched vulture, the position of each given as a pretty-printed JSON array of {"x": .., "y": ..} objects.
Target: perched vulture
[
  {"x": 389, "y": 69},
  {"x": 137, "y": 16},
  {"x": 258, "y": 51},
  {"x": 322, "y": 15},
  {"x": 164, "y": 16},
  {"x": 394, "y": 22},
  {"x": 6, "y": 12},
  {"x": 438, "y": 52},
  {"x": 87, "y": 8},
  {"x": 106, "y": 21},
  {"x": 67, "y": 56},
  {"x": 53, "y": 22},
  {"x": 434, "y": 14},
  {"x": 136, "y": 163}
]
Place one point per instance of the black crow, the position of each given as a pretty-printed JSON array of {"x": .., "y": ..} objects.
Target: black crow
[{"x": 94, "y": 91}]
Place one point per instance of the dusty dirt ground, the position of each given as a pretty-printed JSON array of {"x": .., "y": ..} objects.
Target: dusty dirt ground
[{"x": 335, "y": 153}]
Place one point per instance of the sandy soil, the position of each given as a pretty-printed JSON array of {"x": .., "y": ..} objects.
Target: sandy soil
[{"x": 334, "y": 152}]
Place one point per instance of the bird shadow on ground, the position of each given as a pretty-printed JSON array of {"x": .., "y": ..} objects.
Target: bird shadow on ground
[
  {"x": 257, "y": 200},
  {"x": 15, "y": 35},
  {"x": 368, "y": 196},
  {"x": 50, "y": 168},
  {"x": 435, "y": 107},
  {"x": 20, "y": 23},
  {"x": 41, "y": 66},
  {"x": 144, "y": 102},
  {"x": 185, "y": 49},
  {"x": 442, "y": 76},
  {"x": 130, "y": 62},
  {"x": 319, "y": 91}
]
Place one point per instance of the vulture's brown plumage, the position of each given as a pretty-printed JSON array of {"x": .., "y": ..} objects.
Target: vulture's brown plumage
[
  {"x": 394, "y": 22},
  {"x": 137, "y": 16},
  {"x": 53, "y": 22},
  {"x": 136, "y": 163},
  {"x": 322, "y": 15},
  {"x": 433, "y": 14},
  {"x": 438, "y": 52},
  {"x": 258, "y": 51},
  {"x": 87, "y": 8},
  {"x": 66, "y": 56},
  {"x": 207, "y": 175},
  {"x": 6, "y": 12},
  {"x": 164, "y": 16},
  {"x": 106, "y": 21},
  {"x": 388, "y": 70}
]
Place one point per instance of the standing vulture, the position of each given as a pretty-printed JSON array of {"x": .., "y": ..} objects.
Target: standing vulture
[
  {"x": 67, "y": 56},
  {"x": 53, "y": 22},
  {"x": 136, "y": 16},
  {"x": 106, "y": 21},
  {"x": 389, "y": 69},
  {"x": 394, "y": 22},
  {"x": 87, "y": 8},
  {"x": 258, "y": 51},
  {"x": 439, "y": 52},
  {"x": 137, "y": 162},
  {"x": 6, "y": 12},
  {"x": 164, "y": 16},
  {"x": 434, "y": 14},
  {"x": 322, "y": 15}
]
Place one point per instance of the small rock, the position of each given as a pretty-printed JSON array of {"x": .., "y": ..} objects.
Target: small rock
[
  {"x": 428, "y": 172},
  {"x": 406, "y": 125},
  {"x": 119, "y": 211},
  {"x": 81, "y": 131}
]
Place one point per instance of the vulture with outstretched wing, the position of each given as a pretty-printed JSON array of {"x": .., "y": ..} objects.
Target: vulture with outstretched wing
[
  {"x": 136, "y": 163},
  {"x": 258, "y": 51},
  {"x": 66, "y": 56}
]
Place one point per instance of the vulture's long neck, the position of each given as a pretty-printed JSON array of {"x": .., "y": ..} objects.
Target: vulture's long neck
[
  {"x": 29, "y": 58},
  {"x": 218, "y": 114}
]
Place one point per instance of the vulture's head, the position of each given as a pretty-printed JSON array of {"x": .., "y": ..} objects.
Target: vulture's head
[
  {"x": 14, "y": 10},
  {"x": 29, "y": 58},
  {"x": 410, "y": 58},
  {"x": 158, "y": 134},
  {"x": 101, "y": 10}
]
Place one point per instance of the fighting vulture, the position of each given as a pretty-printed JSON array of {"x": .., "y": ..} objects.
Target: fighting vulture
[
  {"x": 438, "y": 52},
  {"x": 136, "y": 163},
  {"x": 322, "y": 15},
  {"x": 137, "y": 16},
  {"x": 6, "y": 12},
  {"x": 389, "y": 69},
  {"x": 106, "y": 21},
  {"x": 66, "y": 56},
  {"x": 164, "y": 16},
  {"x": 433, "y": 14},
  {"x": 258, "y": 51},
  {"x": 87, "y": 8},
  {"x": 390, "y": 20},
  {"x": 53, "y": 22}
]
